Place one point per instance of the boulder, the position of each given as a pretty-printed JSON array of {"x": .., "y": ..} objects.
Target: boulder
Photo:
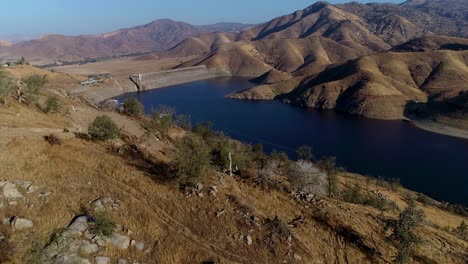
[
  {"x": 102, "y": 260},
  {"x": 140, "y": 246},
  {"x": 119, "y": 241},
  {"x": 10, "y": 191},
  {"x": 249, "y": 240},
  {"x": 79, "y": 224},
  {"x": 122, "y": 261},
  {"x": 21, "y": 223},
  {"x": 199, "y": 187},
  {"x": 88, "y": 248},
  {"x": 24, "y": 184},
  {"x": 1, "y": 205}
]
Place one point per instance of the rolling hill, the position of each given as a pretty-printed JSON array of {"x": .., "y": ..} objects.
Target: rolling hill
[{"x": 155, "y": 36}]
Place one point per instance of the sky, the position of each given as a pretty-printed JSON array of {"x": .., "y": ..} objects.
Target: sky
[{"x": 72, "y": 17}]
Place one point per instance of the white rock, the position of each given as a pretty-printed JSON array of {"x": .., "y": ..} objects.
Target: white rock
[
  {"x": 88, "y": 248},
  {"x": 119, "y": 241},
  {"x": 21, "y": 223},
  {"x": 214, "y": 188},
  {"x": 33, "y": 189},
  {"x": 2, "y": 237},
  {"x": 200, "y": 195},
  {"x": 2, "y": 205},
  {"x": 102, "y": 260},
  {"x": 10, "y": 191},
  {"x": 122, "y": 261},
  {"x": 199, "y": 187},
  {"x": 13, "y": 203},
  {"x": 297, "y": 257},
  {"x": 140, "y": 246},
  {"x": 6, "y": 220},
  {"x": 79, "y": 224},
  {"x": 249, "y": 240}
]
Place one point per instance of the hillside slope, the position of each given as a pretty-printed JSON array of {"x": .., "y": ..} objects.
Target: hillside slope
[{"x": 76, "y": 200}]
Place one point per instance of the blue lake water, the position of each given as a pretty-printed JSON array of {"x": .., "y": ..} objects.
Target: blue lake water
[{"x": 426, "y": 162}]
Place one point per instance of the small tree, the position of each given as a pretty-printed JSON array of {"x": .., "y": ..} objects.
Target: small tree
[
  {"x": 307, "y": 178},
  {"x": 204, "y": 130},
  {"x": 403, "y": 231},
  {"x": 193, "y": 159},
  {"x": 329, "y": 166},
  {"x": 52, "y": 105},
  {"x": 22, "y": 61},
  {"x": 304, "y": 153},
  {"x": 103, "y": 128},
  {"x": 133, "y": 107},
  {"x": 7, "y": 87}
]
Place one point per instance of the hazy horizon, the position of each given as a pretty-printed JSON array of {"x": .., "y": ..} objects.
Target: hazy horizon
[{"x": 88, "y": 17}]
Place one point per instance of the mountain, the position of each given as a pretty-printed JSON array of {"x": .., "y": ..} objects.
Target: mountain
[
  {"x": 379, "y": 85},
  {"x": 369, "y": 60},
  {"x": 447, "y": 17},
  {"x": 156, "y": 36}
]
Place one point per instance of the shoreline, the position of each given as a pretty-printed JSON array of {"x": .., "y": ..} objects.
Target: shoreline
[{"x": 440, "y": 128}]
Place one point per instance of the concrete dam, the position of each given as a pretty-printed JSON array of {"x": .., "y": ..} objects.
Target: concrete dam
[{"x": 142, "y": 81}]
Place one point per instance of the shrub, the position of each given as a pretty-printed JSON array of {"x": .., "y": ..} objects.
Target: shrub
[
  {"x": 161, "y": 120},
  {"x": 192, "y": 159},
  {"x": 103, "y": 128},
  {"x": 22, "y": 61},
  {"x": 53, "y": 140},
  {"x": 354, "y": 194},
  {"x": 33, "y": 84},
  {"x": 269, "y": 175},
  {"x": 462, "y": 230},
  {"x": 424, "y": 199},
  {"x": 304, "y": 153},
  {"x": 52, "y": 105},
  {"x": 133, "y": 107},
  {"x": 204, "y": 130},
  {"x": 102, "y": 225},
  {"x": 306, "y": 177},
  {"x": 7, "y": 87},
  {"x": 403, "y": 231}
]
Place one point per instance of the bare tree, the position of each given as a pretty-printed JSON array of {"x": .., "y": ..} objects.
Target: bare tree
[{"x": 306, "y": 177}]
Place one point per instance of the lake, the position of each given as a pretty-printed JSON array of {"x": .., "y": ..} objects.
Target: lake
[{"x": 426, "y": 162}]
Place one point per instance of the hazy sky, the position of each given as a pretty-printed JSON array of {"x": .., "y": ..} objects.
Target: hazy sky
[{"x": 71, "y": 17}]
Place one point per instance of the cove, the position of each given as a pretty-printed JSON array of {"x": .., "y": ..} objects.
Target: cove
[{"x": 434, "y": 164}]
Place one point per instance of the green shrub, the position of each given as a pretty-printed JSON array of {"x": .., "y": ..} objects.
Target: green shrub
[
  {"x": 52, "y": 105},
  {"x": 403, "y": 231},
  {"x": 355, "y": 194},
  {"x": 204, "y": 130},
  {"x": 7, "y": 87},
  {"x": 103, "y": 225},
  {"x": 161, "y": 120},
  {"x": 33, "y": 85},
  {"x": 133, "y": 107},
  {"x": 304, "y": 153},
  {"x": 192, "y": 159},
  {"x": 103, "y": 128},
  {"x": 424, "y": 199},
  {"x": 22, "y": 61}
]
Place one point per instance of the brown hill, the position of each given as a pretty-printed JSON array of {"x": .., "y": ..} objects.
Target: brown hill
[
  {"x": 254, "y": 58},
  {"x": 380, "y": 85},
  {"x": 155, "y": 36},
  {"x": 320, "y": 19}
]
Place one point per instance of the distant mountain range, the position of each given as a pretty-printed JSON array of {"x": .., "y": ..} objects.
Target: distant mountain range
[{"x": 156, "y": 36}]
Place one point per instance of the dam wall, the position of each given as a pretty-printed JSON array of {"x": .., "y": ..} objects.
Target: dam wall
[{"x": 147, "y": 81}]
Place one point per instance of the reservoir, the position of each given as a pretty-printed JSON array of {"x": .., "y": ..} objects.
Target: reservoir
[{"x": 436, "y": 165}]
